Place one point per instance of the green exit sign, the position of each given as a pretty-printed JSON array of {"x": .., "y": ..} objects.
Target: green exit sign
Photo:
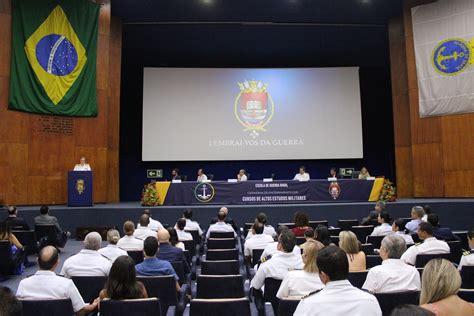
[{"x": 154, "y": 173}]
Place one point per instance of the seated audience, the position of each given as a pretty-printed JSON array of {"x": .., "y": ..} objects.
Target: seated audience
[
  {"x": 88, "y": 262},
  {"x": 430, "y": 245},
  {"x": 373, "y": 215},
  {"x": 228, "y": 219},
  {"x": 169, "y": 252},
  {"x": 46, "y": 219},
  {"x": 410, "y": 310},
  {"x": 356, "y": 258},
  {"x": 9, "y": 304},
  {"x": 151, "y": 265},
  {"x": 309, "y": 236},
  {"x": 122, "y": 283},
  {"x": 272, "y": 248},
  {"x": 301, "y": 221},
  {"x": 398, "y": 227},
  {"x": 428, "y": 211},
  {"x": 417, "y": 213},
  {"x": 190, "y": 224},
  {"x": 112, "y": 251},
  {"x": 302, "y": 175},
  {"x": 15, "y": 222},
  {"x": 182, "y": 235},
  {"x": 440, "y": 283},
  {"x": 221, "y": 225},
  {"x": 128, "y": 242},
  {"x": 298, "y": 283},
  {"x": 45, "y": 284},
  {"x": 142, "y": 231},
  {"x": 321, "y": 234},
  {"x": 267, "y": 229},
  {"x": 440, "y": 232},
  {"x": 467, "y": 258},
  {"x": 174, "y": 241},
  {"x": 154, "y": 224},
  {"x": 258, "y": 241},
  {"x": 384, "y": 228},
  {"x": 364, "y": 173},
  {"x": 280, "y": 263},
  {"x": 338, "y": 297},
  {"x": 393, "y": 274}
]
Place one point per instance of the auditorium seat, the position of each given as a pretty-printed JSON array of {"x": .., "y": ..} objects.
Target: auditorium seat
[
  {"x": 89, "y": 286},
  {"x": 289, "y": 225},
  {"x": 195, "y": 234},
  {"x": 346, "y": 224},
  {"x": 178, "y": 267},
  {"x": 388, "y": 301},
  {"x": 420, "y": 271},
  {"x": 357, "y": 279},
  {"x": 300, "y": 240},
  {"x": 269, "y": 294},
  {"x": 210, "y": 176},
  {"x": 8, "y": 262},
  {"x": 190, "y": 245},
  {"x": 334, "y": 240},
  {"x": 467, "y": 295},
  {"x": 164, "y": 288},
  {"x": 334, "y": 231},
  {"x": 422, "y": 259},
  {"x": 462, "y": 234},
  {"x": 416, "y": 238},
  {"x": 372, "y": 261},
  {"x": 28, "y": 239},
  {"x": 246, "y": 228},
  {"x": 137, "y": 307},
  {"x": 220, "y": 286},
  {"x": 136, "y": 255},
  {"x": 362, "y": 232},
  {"x": 220, "y": 267},
  {"x": 222, "y": 254},
  {"x": 216, "y": 235},
  {"x": 467, "y": 275},
  {"x": 368, "y": 249},
  {"x": 48, "y": 233},
  {"x": 314, "y": 224},
  {"x": 60, "y": 307},
  {"x": 375, "y": 240},
  {"x": 221, "y": 243},
  {"x": 227, "y": 307},
  {"x": 455, "y": 247},
  {"x": 287, "y": 307},
  {"x": 256, "y": 254}
]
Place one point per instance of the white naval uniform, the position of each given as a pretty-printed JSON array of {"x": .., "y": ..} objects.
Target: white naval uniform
[
  {"x": 382, "y": 230},
  {"x": 242, "y": 178},
  {"x": 182, "y": 235},
  {"x": 201, "y": 178},
  {"x": 86, "y": 263},
  {"x": 467, "y": 259},
  {"x": 259, "y": 241},
  {"x": 144, "y": 232},
  {"x": 271, "y": 249},
  {"x": 84, "y": 167},
  {"x": 220, "y": 227},
  {"x": 301, "y": 177},
  {"x": 299, "y": 283},
  {"x": 130, "y": 243},
  {"x": 153, "y": 225},
  {"x": 112, "y": 252},
  {"x": 192, "y": 225},
  {"x": 408, "y": 238},
  {"x": 392, "y": 275},
  {"x": 276, "y": 267},
  {"x": 339, "y": 298},
  {"x": 267, "y": 230},
  {"x": 46, "y": 285},
  {"x": 430, "y": 245}
]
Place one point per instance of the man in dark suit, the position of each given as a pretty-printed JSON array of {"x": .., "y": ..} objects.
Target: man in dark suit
[
  {"x": 228, "y": 219},
  {"x": 46, "y": 219},
  {"x": 373, "y": 215},
  {"x": 175, "y": 174},
  {"x": 14, "y": 221},
  {"x": 440, "y": 232},
  {"x": 170, "y": 253}
]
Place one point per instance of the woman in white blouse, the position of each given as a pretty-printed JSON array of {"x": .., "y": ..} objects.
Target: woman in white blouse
[
  {"x": 298, "y": 283},
  {"x": 385, "y": 228}
]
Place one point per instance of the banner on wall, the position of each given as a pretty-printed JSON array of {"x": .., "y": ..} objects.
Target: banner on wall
[
  {"x": 444, "y": 49},
  {"x": 53, "y": 65}
]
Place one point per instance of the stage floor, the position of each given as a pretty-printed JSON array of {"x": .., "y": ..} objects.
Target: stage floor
[{"x": 455, "y": 213}]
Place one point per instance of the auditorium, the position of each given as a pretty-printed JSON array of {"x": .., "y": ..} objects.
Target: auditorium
[{"x": 236, "y": 157}]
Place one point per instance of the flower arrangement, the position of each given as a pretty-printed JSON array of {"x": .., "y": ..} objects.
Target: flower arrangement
[
  {"x": 150, "y": 195},
  {"x": 388, "y": 192}
]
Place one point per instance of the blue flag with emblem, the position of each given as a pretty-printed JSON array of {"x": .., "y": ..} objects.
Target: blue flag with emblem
[{"x": 54, "y": 49}]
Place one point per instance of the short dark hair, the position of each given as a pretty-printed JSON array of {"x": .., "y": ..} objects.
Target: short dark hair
[
  {"x": 433, "y": 219},
  {"x": 221, "y": 215},
  {"x": 426, "y": 227},
  {"x": 144, "y": 220},
  {"x": 303, "y": 167},
  {"x": 176, "y": 170},
  {"x": 10, "y": 305},
  {"x": 385, "y": 216},
  {"x": 287, "y": 240},
  {"x": 47, "y": 263},
  {"x": 188, "y": 213},
  {"x": 470, "y": 234},
  {"x": 262, "y": 218},
  {"x": 258, "y": 228},
  {"x": 427, "y": 209},
  {"x": 400, "y": 223},
  {"x": 333, "y": 261},
  {"x": 150, "y": 246},
  {"x": 44, "y": 209},
  {"x": 281, "y": 229},
  {"x": 11, "y": 210},
  {"x": 181, "y": 223},
  {"x": 322, "y": 235}
]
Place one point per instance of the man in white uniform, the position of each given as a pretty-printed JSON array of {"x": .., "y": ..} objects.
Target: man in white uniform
[
  {"x": 258, "y": 241},
  {"x": 154, "y": 224},
  {"x": 142, "y": 231},
  {"x": 242, "y": 175},
  {"x": 182, "y": 235},
  {"x": 221, "y": 225},
  {"x": 128, "y": 242},
  {"x": 201, "y": 176},
  {"x": 190, "y": 224},
  {"x": 271, "y": 248},
  {"x": 82, "y": 165},
  {"x": 88, "y": 262},
  {"x": 46, "y": 285},
  {"x": 338, "y": 297},
  {"x": 430, "y": 245},
  {"x": 302, "y": 175},
  {"x": 467, "y": 258},
  {"x": 393, "y": 274}
]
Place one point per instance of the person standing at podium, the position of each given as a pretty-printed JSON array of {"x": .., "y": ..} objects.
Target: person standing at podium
[
  {"x": 302, "y": 175},
  {"x": 82, "y": 165}
]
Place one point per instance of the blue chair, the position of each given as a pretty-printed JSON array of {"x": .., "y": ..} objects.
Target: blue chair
[
  {"x": 60, "y": 307},
  {"x": 137, "y": 307}
]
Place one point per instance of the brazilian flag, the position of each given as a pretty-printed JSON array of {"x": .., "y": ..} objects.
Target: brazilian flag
[{"x": 54, "y": 48}]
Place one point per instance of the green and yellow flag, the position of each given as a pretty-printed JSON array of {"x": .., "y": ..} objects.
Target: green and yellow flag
[{"x": 54, "y": 48}]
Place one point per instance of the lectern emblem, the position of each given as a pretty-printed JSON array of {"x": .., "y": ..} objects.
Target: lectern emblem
[
  {"x": 334, "y": 190},
  {"x": 80, "y": 186},
  {"x": 204, "y": 192}
]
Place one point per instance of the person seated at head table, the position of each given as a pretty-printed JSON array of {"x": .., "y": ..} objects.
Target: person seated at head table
[
  {"x": 332, "y": 173},
  {"x": 302, "y": 175},
  {"x": 175, "y": 174},
  {"x": 364, "y": 173},
  {"x": 242, "y": 175},
  {"x": 201, "y": 175}
]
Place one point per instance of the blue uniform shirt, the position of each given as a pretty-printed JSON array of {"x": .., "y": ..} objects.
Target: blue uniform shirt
[{"x": 155, "y": 266}]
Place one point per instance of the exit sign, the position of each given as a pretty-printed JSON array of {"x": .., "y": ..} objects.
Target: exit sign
[{"x": 154, "y": 173}]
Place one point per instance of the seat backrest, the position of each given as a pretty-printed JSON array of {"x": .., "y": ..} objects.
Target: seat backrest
[
  {"x": 28, "y": 239},
  {"x": 246, "y": 228},
  {"x": 467, "y": 276},
  {"x": 216, "y": 235},
  {"x": 136, "y": 255},
  {"x": 195, "y": 234},
  {"x": 422, "y": 259},
  {"x": 334, "y": 231},
  {"x": 357, "y": 279},
  {"x": 314, "y": 224},
  {"x": 375, "y": 240},
  {"x": 187, "y": 256},
  {"x": 289, "y": 225},
  {"x": 210, "y": 176},
  {"x": 455, "y": 247},
  {"x": 6, "y": 263},
  {"x": 138, "y": 307},
  {"x": 467, "y": 295},
  {"x": 221, "y": 243},
  {"x": 60, "y": 307},
  {"x": 190, "y": 245},
  {"x": 346, "y": 224},
  {"x": 220, "y": 286},
  {"x": 269, "y": 295},
  {"x": 300, "y": 240},
  {"x": 287, "y": 307},
  {"x": 462, "y": 235},
  {"x": 162, "y": 287},
  {"x": 178, "y": 267},
  {"x": 368, "y": 249},
  {"x": 372, "y": 261},
  {"x": 89, "y": 286},
  {"x": 256, "y": 255},
  {"x": 362, "y": 232},
  {"x": 46, "y": 231},
  {"x": 228, "y": 307},
  {"x": 334, "y": 240},
  {"x": 224, "y": 267},
  {"x": 388, "y": 301},
  {"x": 222, "y": 254}
]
